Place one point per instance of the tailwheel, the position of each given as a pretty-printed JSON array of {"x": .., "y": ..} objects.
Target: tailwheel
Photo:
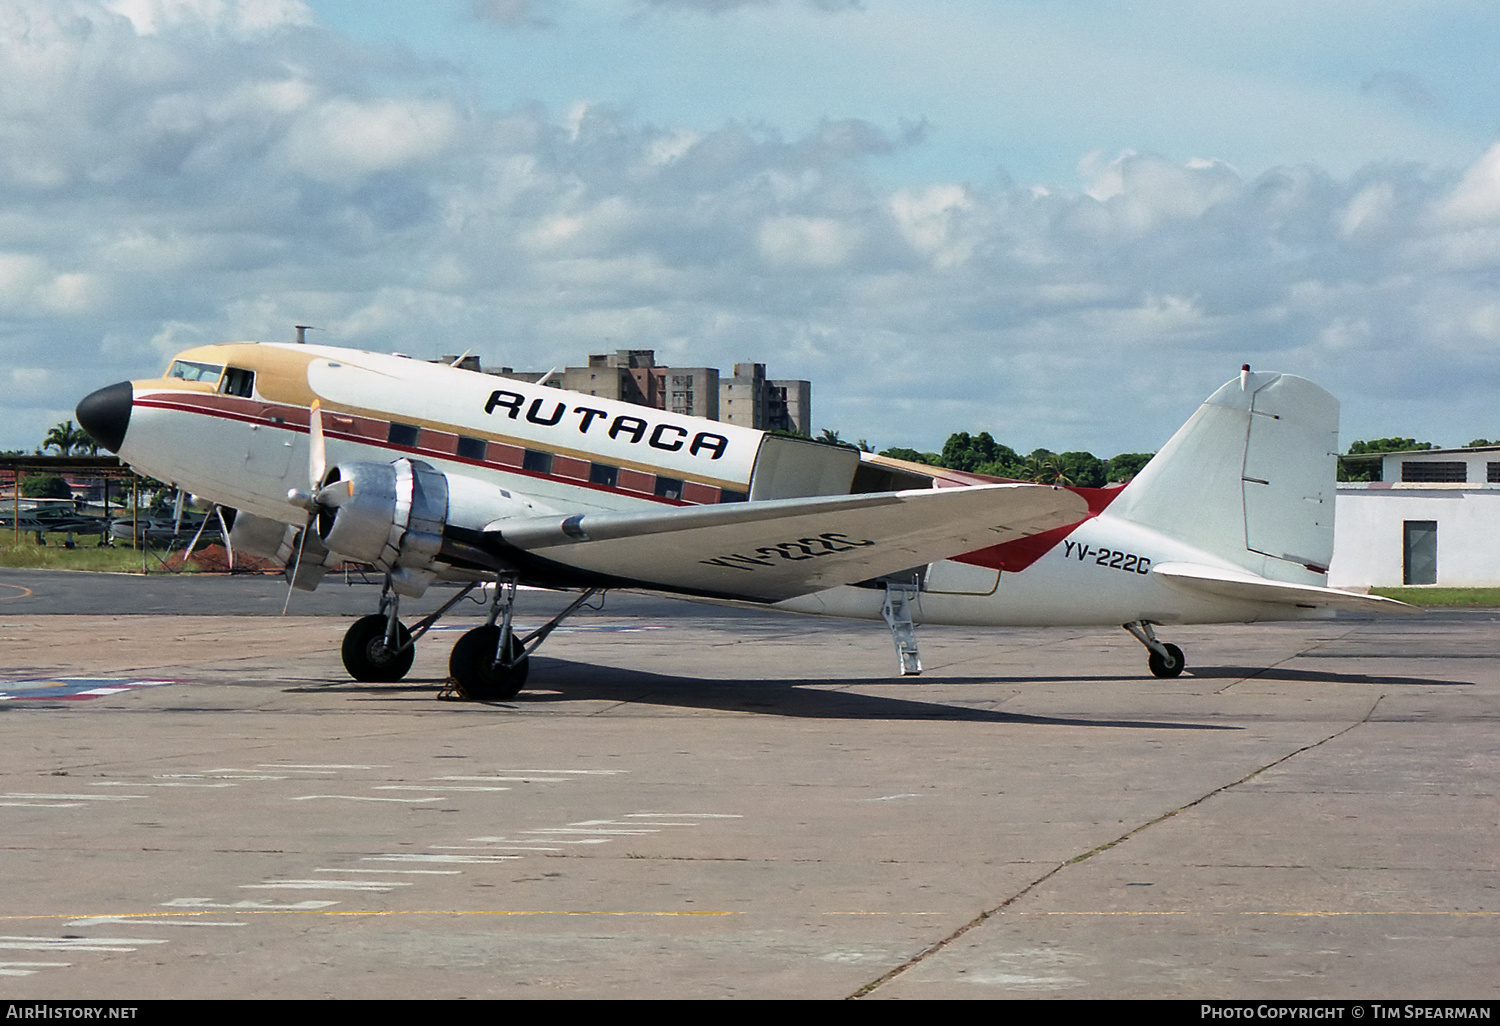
[
  {"x": 1168, "y": 665},
  {"x": 368, "y": 658},
  {"x": 476, "y": 671},
  {"x": 1165, "y": 660}
]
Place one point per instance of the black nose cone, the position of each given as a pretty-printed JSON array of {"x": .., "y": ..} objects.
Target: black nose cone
[{"x": 105, "y": 414}]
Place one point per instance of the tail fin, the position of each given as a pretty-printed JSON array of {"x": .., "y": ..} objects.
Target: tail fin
[{"x": 1249, "y": 478}]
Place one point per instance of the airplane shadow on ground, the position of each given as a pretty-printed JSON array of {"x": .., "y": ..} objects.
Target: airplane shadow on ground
[
  {"x": 1317, "y": 676},
  {"x": 556, "y": 680}
]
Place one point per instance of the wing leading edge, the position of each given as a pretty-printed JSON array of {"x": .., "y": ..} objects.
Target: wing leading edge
[{"x": 777, "y": 549}]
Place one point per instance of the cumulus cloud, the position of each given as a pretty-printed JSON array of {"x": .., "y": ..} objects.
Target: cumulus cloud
[
  {"x": 1142, "y": 191},
  {"x": 1476, "y": 199},
  {"x": 806, "y": 242},
  {"x": 930, "y": 222},
  {"x": 240, "y": 17},
  {"x": 343, "y": 140},
  {"x": 179, "y": 172}
]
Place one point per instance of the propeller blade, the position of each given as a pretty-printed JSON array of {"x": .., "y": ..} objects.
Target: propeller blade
[
  {"x": 177, "y": 514},
  {"x": 317, "y": 455},
  {"x": 297, "y": 563},
  {"x": 313, "y": 500}
]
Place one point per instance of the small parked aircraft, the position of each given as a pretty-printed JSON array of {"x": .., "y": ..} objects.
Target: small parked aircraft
[
  {"x": 432, "y": 472},
  {"x": 43, "y": 517}
]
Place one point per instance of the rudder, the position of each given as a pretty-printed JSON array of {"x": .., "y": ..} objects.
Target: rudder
[{"x": 1249, "y": 478}]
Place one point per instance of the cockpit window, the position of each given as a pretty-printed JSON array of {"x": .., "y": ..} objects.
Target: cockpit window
[
  {"x": 187, "y": 370},
  {"x": 238, "y": 381}
]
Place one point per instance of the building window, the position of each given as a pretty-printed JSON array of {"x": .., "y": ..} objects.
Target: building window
[
  {"x": 1492, "y": 473},
  {"x": 1434, "y": 472}
]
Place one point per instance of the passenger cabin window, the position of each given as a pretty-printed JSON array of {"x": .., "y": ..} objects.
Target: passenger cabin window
[
  {"x": 237, "y": 381},
  {"x": 404, "y": 435},
  {"x": 603, "y": 474},
  {"x": 668, "y": 487},
  {"x": 187, "y": 370},
  {"x": 471, "y": 448},
  {"x": 537, "y": 462}
]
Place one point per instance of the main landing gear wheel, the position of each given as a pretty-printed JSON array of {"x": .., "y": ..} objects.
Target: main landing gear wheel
[
  {"x": 1169, "y": 666},
  {"x": 473, "y": 666},
  {"x": 366, "y": 655}
]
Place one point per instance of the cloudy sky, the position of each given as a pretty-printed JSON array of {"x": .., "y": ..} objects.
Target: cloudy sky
[{"x": 1061, "y": 221}]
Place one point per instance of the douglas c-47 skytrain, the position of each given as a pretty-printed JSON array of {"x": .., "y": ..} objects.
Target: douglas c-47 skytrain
[{"x": 429, "y": 472}]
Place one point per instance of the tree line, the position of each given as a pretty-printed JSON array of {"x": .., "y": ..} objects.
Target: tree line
[
  {"x": 981, "y": 454},
  {"x": 1371, "y": 471}
]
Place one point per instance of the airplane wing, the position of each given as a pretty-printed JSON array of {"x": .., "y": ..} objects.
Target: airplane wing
[
  {"x": 1247, "y": 587},
  {"x": 776, "y": 549}
]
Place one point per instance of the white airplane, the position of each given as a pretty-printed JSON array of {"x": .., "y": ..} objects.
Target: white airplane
[{"x": 430, "y": 472}]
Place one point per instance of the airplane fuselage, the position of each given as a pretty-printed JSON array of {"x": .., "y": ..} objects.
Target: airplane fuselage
[
  {"x": 1098, "y": 575},
  {"x": 529, "y": 449},
  {"x": 559, "y": 449}
]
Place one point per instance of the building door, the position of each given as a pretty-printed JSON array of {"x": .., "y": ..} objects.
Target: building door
[{"x": 1419, "y": 552}]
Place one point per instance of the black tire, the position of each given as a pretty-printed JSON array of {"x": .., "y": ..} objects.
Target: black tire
[
  {"x": 1171, "y": 666},
  {"x": 366, "y": 656},
  {"x": 472, "y": 665}
]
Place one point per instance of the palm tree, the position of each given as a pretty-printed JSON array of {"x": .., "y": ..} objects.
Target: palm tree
[
  {"x": 60, "y": 438},
  {"x": 1047, "y": 469},
  {"x": 68, "y": 440}
]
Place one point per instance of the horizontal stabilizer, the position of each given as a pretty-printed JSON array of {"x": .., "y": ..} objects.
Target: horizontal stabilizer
[
  {"x": 1243, "y": 586},
  {"x": 777, "y": 549}
]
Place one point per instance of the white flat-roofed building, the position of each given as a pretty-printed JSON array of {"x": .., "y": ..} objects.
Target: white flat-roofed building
[{"x": 1433, "y": 518}]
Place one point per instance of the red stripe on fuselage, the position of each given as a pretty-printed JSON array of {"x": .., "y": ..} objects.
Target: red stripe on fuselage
[
  {"x": 286, "y": 423},
  {"x": 1014, "y": 556}
]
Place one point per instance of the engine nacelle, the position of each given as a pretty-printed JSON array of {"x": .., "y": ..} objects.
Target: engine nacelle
[
  {"x": 306, "y": 561},
  {"x": 392, "y": 517}
]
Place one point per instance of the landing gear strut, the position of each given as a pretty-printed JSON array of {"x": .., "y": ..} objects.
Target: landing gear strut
[
  {"x": 490, "y": 663},
  {"x": 379, "y": 648},
  {"x": 1165, "y": 660}
]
